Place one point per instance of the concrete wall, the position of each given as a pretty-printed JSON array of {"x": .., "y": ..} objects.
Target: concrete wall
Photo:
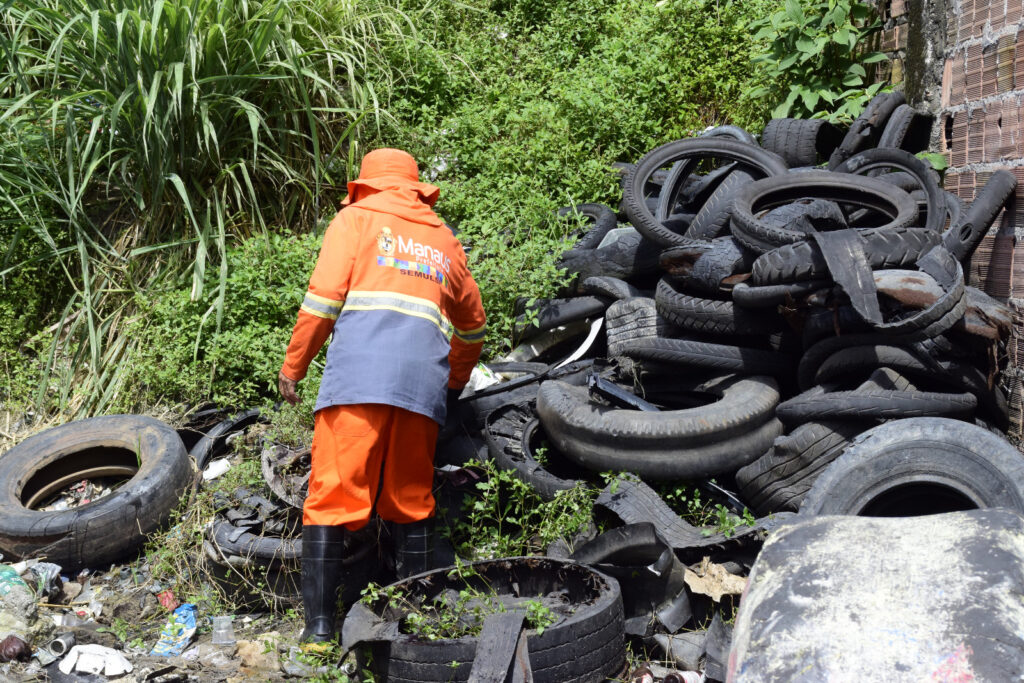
[{"x": 963, "y": 60}]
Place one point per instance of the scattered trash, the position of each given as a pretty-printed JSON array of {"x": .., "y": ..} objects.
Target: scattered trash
[
  {"x": 216, "y": 468},
  {"x": 223, "y": 630},
  {"x": 260, "y": 654},
  {"x": 713, "y": 580},
  {"x": 177, "y": 633},
  {"x": 13, "y": 648},
  {"x": 77, "y": 495},
  {"x": 59, "y": 646},
  {"x": 95, "y": 659},
  {"x": 168, "y": 600}
]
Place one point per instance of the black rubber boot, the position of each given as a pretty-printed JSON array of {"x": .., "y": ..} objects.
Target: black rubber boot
[
  {"x": 323, "y": 548},
  {"x": 414, "y": 548}
]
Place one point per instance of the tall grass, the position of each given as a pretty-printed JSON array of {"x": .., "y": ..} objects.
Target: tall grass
[{"x": 138, "y": 137}]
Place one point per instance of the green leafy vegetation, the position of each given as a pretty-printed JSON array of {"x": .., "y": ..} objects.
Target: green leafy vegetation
[
  {"x": 505, "y": 516},
  {"x": 519, "y": 107},
  {"x": 817, "y": 62},
  {"x": 140, "y": 139}
]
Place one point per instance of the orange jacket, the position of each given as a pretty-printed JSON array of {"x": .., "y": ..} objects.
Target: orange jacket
[{"x": 391, "y": 283}]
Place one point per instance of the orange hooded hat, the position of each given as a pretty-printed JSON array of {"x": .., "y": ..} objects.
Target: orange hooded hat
[{"x": 390, "y": 169}]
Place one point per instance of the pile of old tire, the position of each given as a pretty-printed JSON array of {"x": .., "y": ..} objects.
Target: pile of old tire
[
  {"x": 582, "y": 641},
  {"x": 812, "y": 286}
]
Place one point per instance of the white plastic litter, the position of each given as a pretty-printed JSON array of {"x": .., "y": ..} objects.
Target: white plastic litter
[
  {"x": 95, "y": 659},
  {"x": 216, "y": 468},
  {"x": 481, "y": 377}
]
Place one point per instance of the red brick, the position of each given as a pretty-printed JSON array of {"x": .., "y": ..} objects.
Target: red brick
[
  {"x": 1011, "y": 130},
  {"x": 965, "y": 188},
  {"x": 996, "y": 17},
  {"x": 990, "y": 268},
  {"x": 1018, "y": 60},
  {"x": 959, "y": 151},
  {"x": 1004, "y": 64},
  {"x": 1018, "y": 206},
  {"x": 898, "y": 8},
  {"x": 958, "y": 87},
  {"x": 976, "y": 136},
  {"x": 974, "y": 66},
  {"x": 888, "y": 40},
  {"x": 979, "y": 19},
  {"x": 1014, "y": 12},
  {"x": 993, "y": 134},
  {"x": 989, "y": 70}
]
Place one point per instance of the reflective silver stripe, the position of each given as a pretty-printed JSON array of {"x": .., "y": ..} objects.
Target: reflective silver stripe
[
  {"x": 317, "y": 307},
  {"x": 472, "y": 336},
  {"x": 406, "y": 305}
]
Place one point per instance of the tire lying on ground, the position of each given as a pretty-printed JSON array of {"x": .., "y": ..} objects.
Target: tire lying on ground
[
  {"x": 735, "y": 428},
  {"x": 920, "y": 466},
  {"x": 147, "y": 455},
  {"x": 779, "y": 479},
  {"x": 585, "y": 644}
]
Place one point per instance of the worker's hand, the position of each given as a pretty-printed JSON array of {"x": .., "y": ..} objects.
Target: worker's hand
[{"x": 286, "y": 385}]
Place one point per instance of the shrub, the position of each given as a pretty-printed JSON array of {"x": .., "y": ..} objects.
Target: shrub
[
  {"x": 520, "y": 107},
  {"x": 816, "y": 64},
  {"x": 186, "y": 357}
]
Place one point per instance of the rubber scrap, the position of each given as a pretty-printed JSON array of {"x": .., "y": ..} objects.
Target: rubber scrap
[
  {"x": 844, "y": 254},
  {"x": 496, "y": 650}
]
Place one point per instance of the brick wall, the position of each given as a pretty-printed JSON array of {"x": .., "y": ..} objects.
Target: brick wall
[{"x": 967, "y": 58}]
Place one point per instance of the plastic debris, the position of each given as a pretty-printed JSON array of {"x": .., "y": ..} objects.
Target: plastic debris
[
  {"x": 45, "y": 578},
  {"x": 177, "y": 632},
  {"x": 95, "y": 659},
  {"x": 59, "y": 646},
  {"x": 223, "y": 631},
  {"x": 168, "y": 600},
  {"x": 76, "y": 495},
  {"x": 216, "y": 468}
]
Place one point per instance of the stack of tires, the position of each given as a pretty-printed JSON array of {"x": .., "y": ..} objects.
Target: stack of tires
[{"x": 768, "y": 303}]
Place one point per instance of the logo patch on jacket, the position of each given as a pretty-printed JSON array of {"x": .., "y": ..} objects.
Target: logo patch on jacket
[{"x": 386, "y": 241}]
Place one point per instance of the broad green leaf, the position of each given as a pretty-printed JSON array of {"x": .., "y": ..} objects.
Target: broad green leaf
[{"x": 874, "y": 57}]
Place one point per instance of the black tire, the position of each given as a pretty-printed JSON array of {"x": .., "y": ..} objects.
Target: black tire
[
  {"x": 609, "y": 287},
  {"x": 761, "y": 162},
  {"x": 866, "y": 129},
  {"x": 770, "y": 296},
  {"x": 509, "y": 432},
  {"x": 803, "y": 260},
  {"x": 712, "y": 220},
  {"x": 921, "y": 367},
  {"x": 920, "y": 466},
  {"x": 671, "y": 444},
  {"x": 801, "y": 142},
  {"x": 632, "y": 319},
  {"x": 872, "y": 160},
  {"x": 728, "y": 131},
  {"x": 875, "y": 404},
  {"x": 962, "y": 239},
  {"x": 719, "y": 357},
  {"x": 712, "y": 316},
  {"x": 587, "y": 646},
  {"x": 145, "y": 451},
  {"x": 603, "y": 217},
  {"x": 778, "y": 480},
  {"x": 701, "y": 266},
  {"x": 213, "y": 443},
  {"x": 520, "y": 389},
  {"x": 551, "y": 313},
  {"x": 907, "y": 130},
  {"x": 759, "y": 236},
  {"x": 627, "y": 257}
]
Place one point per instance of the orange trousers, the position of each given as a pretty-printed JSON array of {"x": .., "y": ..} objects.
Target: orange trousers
[{"x": 369, "y": 455}]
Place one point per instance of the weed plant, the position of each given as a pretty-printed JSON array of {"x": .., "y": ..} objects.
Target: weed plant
[{"x": 139, "y": 139}]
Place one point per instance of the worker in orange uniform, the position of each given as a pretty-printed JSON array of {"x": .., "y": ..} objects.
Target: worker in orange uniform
[{"x": 392, "y": 284}]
